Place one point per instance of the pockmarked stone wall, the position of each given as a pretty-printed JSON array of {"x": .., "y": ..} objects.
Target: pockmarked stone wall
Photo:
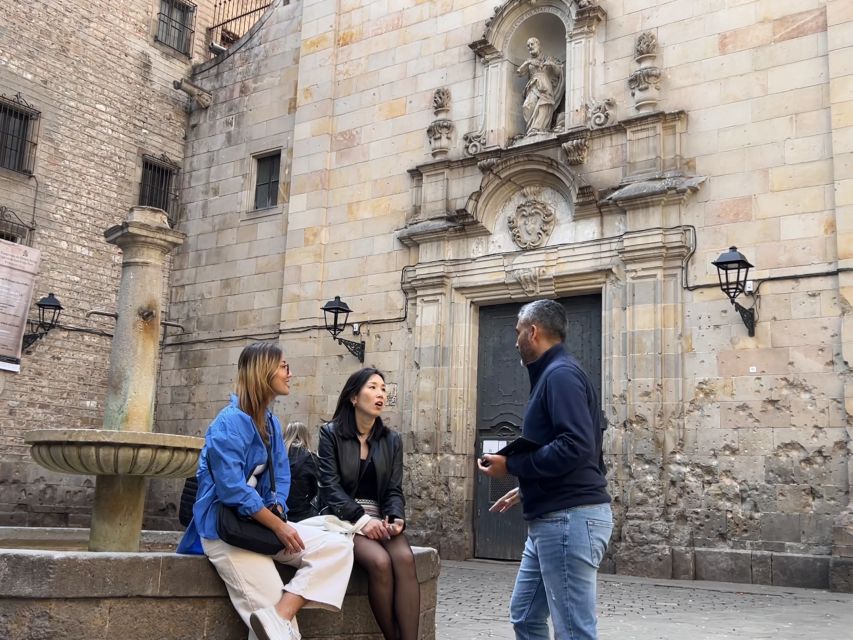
[{"x": 103, "y": 88}]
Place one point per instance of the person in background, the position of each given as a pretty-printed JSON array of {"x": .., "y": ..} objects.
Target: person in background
[
  {"x": 301, "y": 501},
  {"x": 239, "y": 445},
  {"x": 361, "y": 481},
  {"x": 562, "y": 485}
]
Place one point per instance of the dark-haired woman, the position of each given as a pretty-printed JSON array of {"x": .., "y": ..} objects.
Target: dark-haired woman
[
  {"x": 361, "y": 478},
  {"x": 241, "y": 443}
]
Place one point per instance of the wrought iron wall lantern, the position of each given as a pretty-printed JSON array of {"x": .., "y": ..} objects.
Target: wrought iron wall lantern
[
  {"x": 733, "y": 272},
  {"x": 336, "y": 313},
  {"x": 49, "y": 310}
]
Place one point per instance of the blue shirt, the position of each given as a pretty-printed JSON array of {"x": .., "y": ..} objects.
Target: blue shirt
[
  {"x": 233, "y": 449},
  {"x": 564, "y": 416}
]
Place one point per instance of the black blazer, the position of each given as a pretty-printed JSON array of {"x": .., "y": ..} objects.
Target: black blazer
[{"x": 339, "y": 463}]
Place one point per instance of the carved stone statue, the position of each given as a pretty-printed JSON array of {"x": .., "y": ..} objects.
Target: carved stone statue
[{"x": 543, "y": 89}]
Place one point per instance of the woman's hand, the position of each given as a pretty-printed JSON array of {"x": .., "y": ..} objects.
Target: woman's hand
[
  {"x": 290, "y": 538},
  {"x": 395, "y": 526},
  {"x": 376, "y": 529},
  {"x": 288, "y": 535}
]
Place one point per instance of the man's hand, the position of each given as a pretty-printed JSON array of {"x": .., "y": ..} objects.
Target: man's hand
[
  {"x": 492, "y": 465},
  {"x": 375, "y": 529},
  {"x": 509, "y": 500}
]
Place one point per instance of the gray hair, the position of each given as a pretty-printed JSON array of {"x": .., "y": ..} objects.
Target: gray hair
[{"x": 548, "y": 315}]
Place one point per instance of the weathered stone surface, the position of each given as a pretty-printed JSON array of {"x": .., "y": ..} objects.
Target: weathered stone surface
[
  {"x": 723, "y": 565},
  {"x": 762, "y": 567},
  {"x": 841, "y": 574},
  {"x": 144, "y": 596},
  {"x": 683, "y": 564},
  {"x": 656, "y": 562},
  {"x": 801, "y": 571}
]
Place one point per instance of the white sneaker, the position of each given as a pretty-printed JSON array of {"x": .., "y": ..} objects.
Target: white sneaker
[{"x": 268, "y": 625}]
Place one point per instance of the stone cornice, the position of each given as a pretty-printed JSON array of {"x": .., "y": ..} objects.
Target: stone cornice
[
  {"x": 655, "y": 190},
  {"x": 655, "y": 246}
]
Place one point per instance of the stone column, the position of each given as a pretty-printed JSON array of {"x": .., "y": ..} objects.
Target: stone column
[
  {"x": 652, "y": 394},
  {"x": 145, "y": 239},
  {"x": 581, "y": 63},
  {"x": 839, "y": 20}
]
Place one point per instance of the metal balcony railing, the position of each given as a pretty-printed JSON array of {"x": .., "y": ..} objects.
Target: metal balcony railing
[{"x": 233, "y": 18}]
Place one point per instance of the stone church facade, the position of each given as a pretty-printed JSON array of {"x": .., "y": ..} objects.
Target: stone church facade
[{"x": 433, "y": 163}]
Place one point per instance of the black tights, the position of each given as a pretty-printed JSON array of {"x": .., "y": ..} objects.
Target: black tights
[{"x": 392, "y": 585}]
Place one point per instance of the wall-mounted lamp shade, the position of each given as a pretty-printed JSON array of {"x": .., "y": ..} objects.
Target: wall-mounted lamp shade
[
  {"x": 49, "y": 310},
  {"x": 733, "y": 271},
  {"x": 336, "y": 313}
]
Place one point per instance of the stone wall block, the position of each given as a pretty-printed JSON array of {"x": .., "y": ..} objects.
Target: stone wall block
[
  {"x": 723, "y": 565},
  {"x": 762, "y": 567},
  {"x": 653, "y": 562},
  {"x": 841, "y": 574},
  {"x": 683, "y": 563},
  {"x": 810, "y": 572},
  {"x": 780, "y": 527}
]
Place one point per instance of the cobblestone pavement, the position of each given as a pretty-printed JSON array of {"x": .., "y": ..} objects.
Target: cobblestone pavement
[{"x": 473, "y": 597}]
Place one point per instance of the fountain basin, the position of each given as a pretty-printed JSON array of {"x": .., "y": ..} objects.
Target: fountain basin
[{"x": 103, "y": 452}]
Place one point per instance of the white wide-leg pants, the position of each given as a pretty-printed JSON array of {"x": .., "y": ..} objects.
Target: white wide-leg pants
[{"x": 253, "y": 582}]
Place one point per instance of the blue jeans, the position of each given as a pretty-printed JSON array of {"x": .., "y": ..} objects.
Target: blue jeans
[{"x": 558, "y": 571}]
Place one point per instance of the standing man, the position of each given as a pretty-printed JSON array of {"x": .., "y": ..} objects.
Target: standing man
[{"x": 562, "y": 485}]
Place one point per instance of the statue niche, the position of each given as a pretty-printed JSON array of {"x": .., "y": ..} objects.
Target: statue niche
[{"x": 544, "y": 89}]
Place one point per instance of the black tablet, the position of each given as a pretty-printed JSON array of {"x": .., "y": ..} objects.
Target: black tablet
[{"x": 519, "y": 445}]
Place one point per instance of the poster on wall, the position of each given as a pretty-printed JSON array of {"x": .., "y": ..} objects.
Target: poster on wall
[{"x": 18, "y": 269}]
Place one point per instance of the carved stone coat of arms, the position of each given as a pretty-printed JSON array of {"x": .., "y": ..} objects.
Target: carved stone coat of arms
[{"x": 532, "y": 221}]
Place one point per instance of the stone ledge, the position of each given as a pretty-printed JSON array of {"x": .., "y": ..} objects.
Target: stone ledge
[
  {"x": 809, "y": 571},
  {"x": 137, "y": 596}
]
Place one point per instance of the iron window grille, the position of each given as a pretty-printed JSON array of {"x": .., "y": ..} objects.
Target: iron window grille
[
  {"x": 19, "y": 126},
  {"x": 175, "y": 25},
  {"x": 232, "y": 19},
  {"x": 266, "y": 185},
  {"x": 159, "y": 185},
  {"x": 13, "y": 229}
]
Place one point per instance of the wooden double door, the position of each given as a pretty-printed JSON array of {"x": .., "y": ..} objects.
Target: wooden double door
[{"x": 503, "y": 387}]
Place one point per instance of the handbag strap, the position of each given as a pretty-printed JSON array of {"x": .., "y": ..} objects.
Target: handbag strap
[{"x": 268, "y": 446}]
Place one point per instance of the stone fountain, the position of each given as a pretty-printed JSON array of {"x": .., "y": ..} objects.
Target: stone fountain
[{"x": 125, "y": 452}]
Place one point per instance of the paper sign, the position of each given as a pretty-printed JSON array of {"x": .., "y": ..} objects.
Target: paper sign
[{"x": 19, "y": 266}]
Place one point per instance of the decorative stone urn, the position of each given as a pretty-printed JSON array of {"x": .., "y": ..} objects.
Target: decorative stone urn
[
  {"x": 644, "y": 82},
  {"x": 125, "y": 452}
]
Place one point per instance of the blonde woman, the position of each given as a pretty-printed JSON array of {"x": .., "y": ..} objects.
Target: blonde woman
[
  {"x": 239, "y": 445},
  {"x": 301, "y": 501}
]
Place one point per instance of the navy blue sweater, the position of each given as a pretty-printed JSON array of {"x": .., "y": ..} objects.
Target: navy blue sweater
[{"x": 564, "y": 416}]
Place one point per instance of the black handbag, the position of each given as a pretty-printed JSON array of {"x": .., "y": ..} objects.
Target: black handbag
[
  {"x": 185, "y": 510},
  {"x": 248, "y": 533}
]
